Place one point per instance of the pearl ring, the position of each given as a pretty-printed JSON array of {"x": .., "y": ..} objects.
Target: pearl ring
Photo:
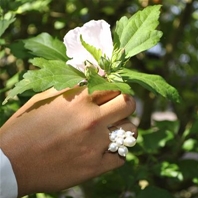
[{"x": 120, "y": 139}]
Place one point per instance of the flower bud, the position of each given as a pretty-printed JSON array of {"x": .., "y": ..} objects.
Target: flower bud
[
  {"x": 104, "y": 64},
  {"x": 90, "y": 69},
  {"x": 115, "y": 77},
  {"x": 118, "y": 59}
]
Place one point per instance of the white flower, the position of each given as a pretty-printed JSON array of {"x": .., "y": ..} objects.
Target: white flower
[{"x": 95, "y": 33}]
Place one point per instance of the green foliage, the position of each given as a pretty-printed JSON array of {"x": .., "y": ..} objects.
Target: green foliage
[
  {"x": 96, "y": 53},
  {"x": 52, "y": 73},
  {"x": 4, "y": 24},
  {"x": 47, "y": 47},
  {"x": 96, "y": 82},
  {"x": 152, "y": 191},
  {"x": 164, "y": 161},
  {"x": 153, "y": 83},
  {"x": 138, "y": 33}
]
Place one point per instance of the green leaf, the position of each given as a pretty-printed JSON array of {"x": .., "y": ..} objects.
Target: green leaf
[
  {"x": 96, "y": 53},
  {"x": 168, "y": 169},
  {"x": 138, "y": 33},
  {"x": 194, "y": 127},
  {"x": 53, "y": 73},
  {"x": 153, "y": 141},
  {"x": 170, "y": 125},
  {"x": 190, "y": 145},
  {"x": 153, "y": 83},
  {"x": 47, "y": 47},
  {"x": 4, "y": 24},
  {"x": 18, "y": 50},
  {"x": 189, "y": 167},
  {"x": 96, "y": 82},
  {"x": 154, "y": 192}
]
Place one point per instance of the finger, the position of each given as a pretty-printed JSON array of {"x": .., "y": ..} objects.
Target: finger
[
  {"x": 103, "y": 138},
  {"x": 111, "y": 161},
  {"x": 101, "y": 97},
  {"x": 117, "y": 109},
  {"x": 52, "y": 92},
  {"x": 45, "y": 96}
]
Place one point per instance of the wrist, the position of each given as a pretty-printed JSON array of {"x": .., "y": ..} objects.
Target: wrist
[{"x": 16, "y": 155}]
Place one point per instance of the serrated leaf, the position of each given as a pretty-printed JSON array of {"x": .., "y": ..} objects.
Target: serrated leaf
[
  {"x": 47, "y": 47},
  {"x": 120, "y": 25},
  {"x": 96, "y": 53},
  {"x": 53, "y": 73},
  {"x": 138, "y": 33},
  {"x": 96, "y": 82},
  {"x": 153, "y": 83}
]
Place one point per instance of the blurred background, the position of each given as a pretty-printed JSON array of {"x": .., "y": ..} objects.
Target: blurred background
[{"x": 164, "y": 163}]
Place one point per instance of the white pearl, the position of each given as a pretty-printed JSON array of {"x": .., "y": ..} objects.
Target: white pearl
[
  {"x": 113, "y": 147},
  {"x": 112, "y": 136},
  {"x": 114, "y": 132},
  {"x": 120, "y": 132},
  {"x": 130, "y": 141},
  {"x": 123, "y": 150},
  {"x": 119, "y": 141},
  {"x": 129, "y": 133}
]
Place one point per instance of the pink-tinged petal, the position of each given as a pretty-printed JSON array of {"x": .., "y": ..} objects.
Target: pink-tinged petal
[{"x": 95, "y": 33}]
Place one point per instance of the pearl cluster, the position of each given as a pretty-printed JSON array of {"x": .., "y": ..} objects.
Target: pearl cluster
[{"x": 120, "y": 139}]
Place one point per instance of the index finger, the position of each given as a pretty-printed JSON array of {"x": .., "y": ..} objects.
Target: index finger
[{"x": 101, "y": 97}]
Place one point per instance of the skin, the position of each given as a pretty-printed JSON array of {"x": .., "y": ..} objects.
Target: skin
[{"x": 60, "y": 139}]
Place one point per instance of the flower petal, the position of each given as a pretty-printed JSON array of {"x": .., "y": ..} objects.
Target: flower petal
[{"x": 95, "y": 33}]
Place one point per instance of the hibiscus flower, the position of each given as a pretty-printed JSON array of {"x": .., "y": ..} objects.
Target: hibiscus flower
[{"x": 95, "y": 33}]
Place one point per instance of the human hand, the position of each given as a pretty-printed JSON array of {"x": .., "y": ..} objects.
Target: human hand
[{"x": 60, "y": 139}]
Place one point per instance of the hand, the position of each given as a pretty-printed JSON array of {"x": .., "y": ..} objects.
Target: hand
[{"x": 60, "y": 139}]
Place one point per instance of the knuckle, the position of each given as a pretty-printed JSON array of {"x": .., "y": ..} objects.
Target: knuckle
[
  {"x": 92, "y": 125},
  {"x": 130, "y": 103},
  {"x": 93, "y": 120}
]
